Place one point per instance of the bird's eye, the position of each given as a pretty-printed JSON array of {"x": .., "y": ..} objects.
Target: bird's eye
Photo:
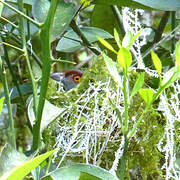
[{"x": 76, "y": 78}]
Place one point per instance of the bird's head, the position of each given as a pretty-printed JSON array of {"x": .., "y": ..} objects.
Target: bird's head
[{"x": 69, "y": 78}]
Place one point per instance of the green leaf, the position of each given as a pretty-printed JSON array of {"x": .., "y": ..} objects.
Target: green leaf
[
  {"x": 177, "y": 55},
  {"x": 118, "y": 113},
  {"x": 24, "y": 88},
  {"x": 112, "y": 70},
  {"x": 106, "y": 44},
  {"x": 74, "y": 171},
  {"x": 63, "y": 16},
  {"x": 127, "y": 40},
  {"x": 116, "y": 37},
  {"x": 122, "y": 3},
  {"x": 71, "y": 41},
  {"x": 1, "y": 104},
  {"x": 156, "y": 62},
  {"x": 1, "y": 8},
  {"x": 134, "y": 38},
  {"x": 171, "y": 76},
  {"x": 139, "y": 83},
  {"x": 147, "y": 95},
  {"x": 10, "y": 158},
  {"x": 86, "y": 176},
  {"x": 102, "y": 17},
  {"x": 167, "y": 5},
  {"x": 21, "y": 171},
  {"x": 50, "y": 113},
  {"x": 124, "y": 58}
]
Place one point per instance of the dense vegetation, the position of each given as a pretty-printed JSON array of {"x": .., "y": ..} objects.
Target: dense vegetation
[{"x": 121, "y": 118}]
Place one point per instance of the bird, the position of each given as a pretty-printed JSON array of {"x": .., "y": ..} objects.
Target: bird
[{"x": 69, "y": 79}]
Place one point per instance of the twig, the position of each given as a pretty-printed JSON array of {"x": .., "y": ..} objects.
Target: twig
[
  {"x": 161, "y": 27},
  {"x": 84, "y": 62},
  {"x": 6, "y": 20},
  {"x": 12, "y": 73},
  {"x": 11, "y": 133},
  {"x": 20, "y": 13},
  {"x": 161, "y": 41},
  {"x": 78, "y": 31},
  {"x": 118, "y": 16},
  {"x": 24, "y": 45}
]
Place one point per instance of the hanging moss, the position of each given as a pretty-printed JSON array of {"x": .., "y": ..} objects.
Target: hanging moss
[{"x": 142, "y": 152}]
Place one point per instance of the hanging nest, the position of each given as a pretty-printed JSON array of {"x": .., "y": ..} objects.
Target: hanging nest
[{"x": 89, "y": 131}]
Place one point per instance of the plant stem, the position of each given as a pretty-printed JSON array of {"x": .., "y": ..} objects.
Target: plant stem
[
  {"x": 123, "y": 158},
  {"x": 11, "y": 133},
  {"x": 154, "y": 46},
  {"x": 6, "y": 20},
  {"x": 118, "y": 16},
  {"x": 131, "y": 133},
  {"x": 23, "y": 39},
  {"x": 161, "y": 27},
  {"x": 126, "y": 118},
  {"x": 173, "y": 25},
  {"x": 20, "y": 13},
  {"x": 10, "y": 45},
  {"x": 46, "y": 57},
  {"x": 37, "y": 59},
  {"x": 13, "y": 74}
]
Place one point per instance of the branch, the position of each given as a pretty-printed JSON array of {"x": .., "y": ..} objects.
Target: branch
[
  {"x": 85, "y": 41},
  {"x": 118, "y": 16},
  {"x": 161, "y": 27}
]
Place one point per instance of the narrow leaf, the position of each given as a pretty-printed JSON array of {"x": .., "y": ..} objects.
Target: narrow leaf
[
  {"x": 116, "y": 37},
  {"x": 139, "y": 83},
  {"x": 113, "y": 70},
  {"x": 177, "y": 56},
  {"x": 21, "y": 171},
  {"x": 1, "y": 104},
  {"x": 137, "y": 34},
  {"x": 127, "y": 40},
  {"x": 118, "y": 113},
  {"x": 106, "y": 44},
  {"x": 156, "y": 62},
  {"x": 147, "y": 95},
  {"x": 124, "y": 58}
]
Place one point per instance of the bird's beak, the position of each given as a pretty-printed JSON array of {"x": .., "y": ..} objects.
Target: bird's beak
[{"x": 58, "y": 76}]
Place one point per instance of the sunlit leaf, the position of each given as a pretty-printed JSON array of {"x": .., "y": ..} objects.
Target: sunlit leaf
[
  {"x": 10, "y": 158},
  {"x": 112, "y": 70},
  {"x": 139, "y": 83},
  {"x": 156, "y": 62},
  {"x": 1, "y": 104},
  {"x": 171, "y": 76},
  {"x": 177, "y": 56},
  {"x": 124, "y": 58},
  {"x": 116, "y": 37},
  {"x": 106, "y": 44},
  {"x": 127, "y": 39},
  {"x": 147, "y": 95},
  {"x": 85, "y": 2},
  {"x": 21, "y": 171}
]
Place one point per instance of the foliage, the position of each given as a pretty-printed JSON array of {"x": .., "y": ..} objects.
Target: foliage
[{"x": 123, "y": 116}]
